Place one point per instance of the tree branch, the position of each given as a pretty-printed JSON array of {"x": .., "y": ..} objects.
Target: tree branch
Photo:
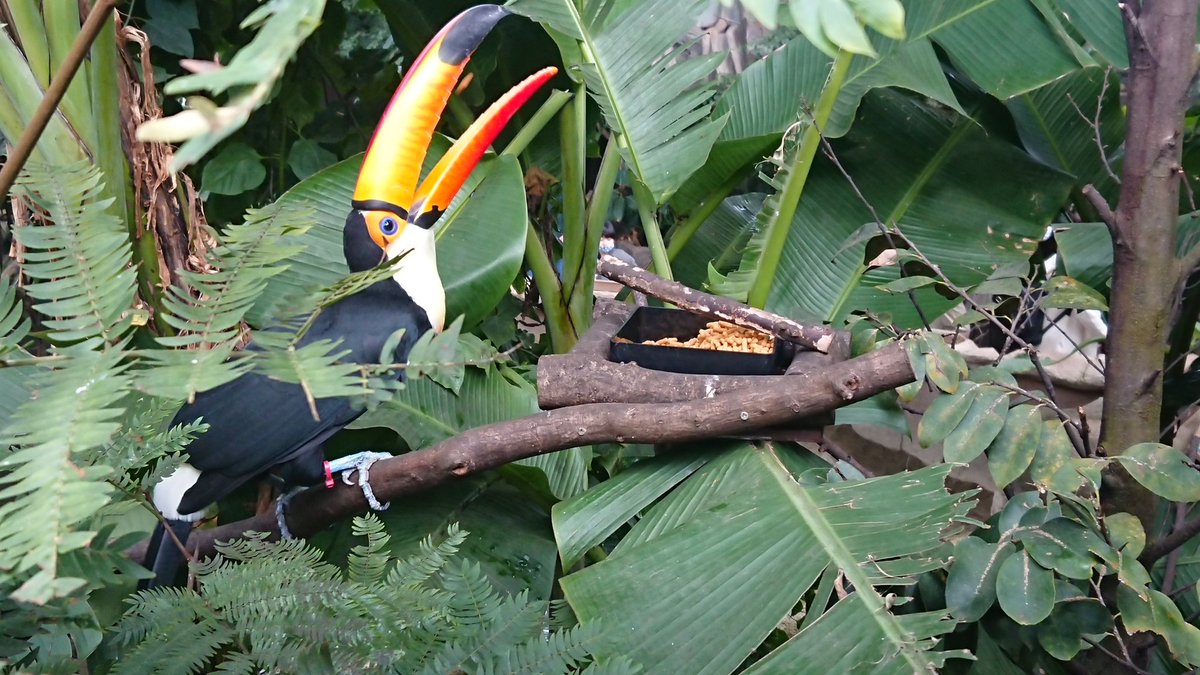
[
  {"x": 1180, "y": 536},
  {"x": 494, "y": 445},
  {"x": 1161, "y": 38},
  {"x": 1103, "y": 210}
]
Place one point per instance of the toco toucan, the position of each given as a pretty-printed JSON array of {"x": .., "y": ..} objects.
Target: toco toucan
[{"x": 258, "y": 425}]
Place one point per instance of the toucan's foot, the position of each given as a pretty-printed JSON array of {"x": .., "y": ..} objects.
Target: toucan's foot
[
  {"x": 361, "y": 463},
  {"x": 281, "y": 507}
]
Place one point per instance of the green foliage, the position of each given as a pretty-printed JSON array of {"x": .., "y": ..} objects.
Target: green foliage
[
  {"x": 277, "y": 605},
  {"x": 686, "y": 561},
  {"x": 834, "y": 25},
  {"x": 249, "y": 255},
  {"x": 757, "y": 505},
  {"x": 78, "y": 257},
  {"x": 282, "y": 25},
  {"x": 656, "y": 108}
]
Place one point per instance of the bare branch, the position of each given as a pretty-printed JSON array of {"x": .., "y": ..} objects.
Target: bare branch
[
  {"x": 1180, "y": 536},
  {"x": 1105, "y": 211}
]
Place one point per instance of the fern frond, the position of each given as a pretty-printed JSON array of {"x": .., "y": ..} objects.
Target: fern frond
[
  {"x": 368, "y": 562},
  {"x": 278, "y": 607},
  {"x": 431, "y": 559},
  {"x": 492, "y": 636},
  {"x": 249, "y": 255},
  {"x": 563, "y": 651},
  {"x": 14, "y": 325},
  {"x": 44, "y": 491},
  {"x": 179, "y": 375},
  {"x": 475, "y": 599},
  {"x": 317, "y": 367},
  {"x": 79, "y": 259},
  {"x": 143, "y": 443}
]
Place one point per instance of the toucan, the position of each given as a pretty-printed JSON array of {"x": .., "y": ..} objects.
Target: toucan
[{"x": 259, "y": 426}]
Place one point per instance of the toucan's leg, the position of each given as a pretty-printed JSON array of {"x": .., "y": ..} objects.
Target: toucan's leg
[
  {"x": 163, "y": 555},
  {"x": 360, "y": 462},
  {"x": 281, "y": 507}
]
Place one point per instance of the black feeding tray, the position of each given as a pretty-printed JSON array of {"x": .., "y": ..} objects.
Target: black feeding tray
[{"x": 654, "y": 323}]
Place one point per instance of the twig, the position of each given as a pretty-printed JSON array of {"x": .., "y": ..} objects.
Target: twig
[
  {"x": 820, "y": 338},
  {"x": 1128, "y": 663},
  {"x": 1116, "y": 630},
  {"x": 1029, "y": 349},
  {"x": 491, "y": 446},
  {"x": 1180, "y": 536},
  {"x": 1105, "y": 211},
  {"x": 838, "y": 453},
  {"x": 1094, "y": 123},
  {"x": 1168, "y": 581},
  {"x": 1069, "y": 424},
  {"x": 54, "y": 93},
  {"x": 912, "y": 295}
]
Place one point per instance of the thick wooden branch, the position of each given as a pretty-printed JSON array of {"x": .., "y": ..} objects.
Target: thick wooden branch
[
  {"x": 816, "y": 337},
  {"x": 488, "y": 447}
]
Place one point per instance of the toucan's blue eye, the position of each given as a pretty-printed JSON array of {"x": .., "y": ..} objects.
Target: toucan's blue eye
[{"x": 388, "y": 226}]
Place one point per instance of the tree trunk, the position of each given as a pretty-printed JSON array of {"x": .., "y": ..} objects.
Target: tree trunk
[{"x": 1161, "y": 35}]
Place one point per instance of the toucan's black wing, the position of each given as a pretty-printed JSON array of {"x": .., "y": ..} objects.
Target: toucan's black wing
[{"x": 257, "y": 423}]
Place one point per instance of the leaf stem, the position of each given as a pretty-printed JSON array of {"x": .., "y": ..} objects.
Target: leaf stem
[
  {"x": 654, "y": 238},
  {"x": 573, "y": 145},
  {"x": 688, "y": 229},
  {"x": 540, "y": 119},
  {"x": 797, "y": 176},
  {"x": 562, "y": 336},
  {"x": 581, "y": 300}
]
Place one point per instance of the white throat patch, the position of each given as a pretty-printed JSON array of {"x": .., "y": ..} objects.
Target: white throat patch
[{"x": 417, "y": 273}]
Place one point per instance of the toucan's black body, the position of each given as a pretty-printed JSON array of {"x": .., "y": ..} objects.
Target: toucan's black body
[{"x": 259, "y": 425}]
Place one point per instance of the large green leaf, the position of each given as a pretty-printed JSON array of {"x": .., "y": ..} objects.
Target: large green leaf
[
  {"x": 844, "y": 640},
  {"x": 1056, "y": 124},
  {"x": 719, "y": 241},
  {"x": 982, "y": 45},
  {"x": 774, "y": 93},
  {"x": 1100, "y": 24},
  {"x": 481, "y": 239},
  {"x": 969, "y": 202},
  {"x": 1087, "y": 254},
  {"x": 659, "y": 109},
  {"x": 742, "y": 561},
  {"x": 590, "y": 518}
]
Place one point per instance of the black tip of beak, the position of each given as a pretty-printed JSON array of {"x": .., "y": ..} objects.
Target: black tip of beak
[{"x": 465, "y": 35}]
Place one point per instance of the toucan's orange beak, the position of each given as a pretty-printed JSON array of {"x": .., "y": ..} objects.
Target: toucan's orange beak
[{"x": 392, "y": 166}]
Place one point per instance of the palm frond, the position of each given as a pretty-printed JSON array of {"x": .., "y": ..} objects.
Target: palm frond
[
  {"x": 79, "y": 258},
  {"x": 657, "y": 104},
  {"x": 14, "y": 325}
]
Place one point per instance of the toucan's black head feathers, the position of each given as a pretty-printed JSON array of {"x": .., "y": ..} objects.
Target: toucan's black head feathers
[{"x": 361, "y": 251}]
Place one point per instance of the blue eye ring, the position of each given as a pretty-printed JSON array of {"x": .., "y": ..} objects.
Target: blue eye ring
[{"x": 389, "y": 226}]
